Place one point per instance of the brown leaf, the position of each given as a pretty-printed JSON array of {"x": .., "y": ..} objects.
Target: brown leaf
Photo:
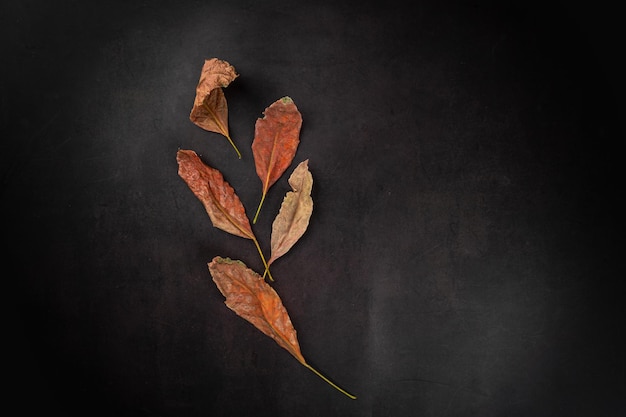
[
  {"x": 295, "y": 212},
  {"x": 217, "y": 196},
  {"x": 276, "y": 139},
  {"x": 248, "y": 295},
  {"x": 210, "y": 110}
]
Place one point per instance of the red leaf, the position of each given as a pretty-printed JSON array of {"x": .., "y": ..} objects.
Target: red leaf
[
  {"x": 218, "y": 197},
  {"x": 276, "y": 139}
]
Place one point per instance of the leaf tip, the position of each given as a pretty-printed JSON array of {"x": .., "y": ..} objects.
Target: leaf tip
[{"x": 228, "y": 261}]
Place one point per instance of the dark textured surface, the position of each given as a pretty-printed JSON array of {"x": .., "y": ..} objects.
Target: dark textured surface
[{"x": 464, "y": 254}]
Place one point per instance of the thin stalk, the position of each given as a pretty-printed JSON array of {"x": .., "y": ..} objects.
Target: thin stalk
[
  {"x": 233, "y": 145},
  {"x": 332, "y": 384},
  {"x": 267, "y": 268},
  {"x": 258, "y": 210}
]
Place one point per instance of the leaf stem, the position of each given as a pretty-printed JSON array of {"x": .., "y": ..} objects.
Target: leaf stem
[
  {"x": 332, "y": 384},
  {"x": 233, "y": 145},
  {"x": 267, "y": 268},
  {"x": 258, "y": 210}
]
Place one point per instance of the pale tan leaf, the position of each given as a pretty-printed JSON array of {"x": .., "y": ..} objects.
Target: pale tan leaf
[{"x": 295, "y": 212}]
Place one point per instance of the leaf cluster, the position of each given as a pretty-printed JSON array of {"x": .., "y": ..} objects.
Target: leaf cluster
[{"x": 275, "y": 143}]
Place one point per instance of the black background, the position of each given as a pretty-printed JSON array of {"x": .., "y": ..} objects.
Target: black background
[{"x": 464, "y": 256}]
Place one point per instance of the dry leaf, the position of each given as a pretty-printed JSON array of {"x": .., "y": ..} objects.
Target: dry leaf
[
  {"x": 276, "y": 139},
  {"x": 295, "y": 212},
  {"x": 248, "y": 295},
  {"x": 218, "y": 197},
  {"x": 210, "y": 110}
]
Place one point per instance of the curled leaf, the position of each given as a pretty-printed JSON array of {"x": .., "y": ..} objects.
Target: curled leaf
[
  {"x": 295, "y": 212},
  {"x": 218, "y": 197},
  {"x": 276, "y": 139},
  {"x": 251, "y": 298},
  {"x": 210, "y": 109}
]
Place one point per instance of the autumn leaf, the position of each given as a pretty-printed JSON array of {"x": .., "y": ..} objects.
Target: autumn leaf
[
  {"x": 210, "y": 110},
  {"x": 276, "y": 139},
  {"x": 250, "y": 297},
  {"x": 218, "y": 197},
  {"x": 295, "y": 212}
]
